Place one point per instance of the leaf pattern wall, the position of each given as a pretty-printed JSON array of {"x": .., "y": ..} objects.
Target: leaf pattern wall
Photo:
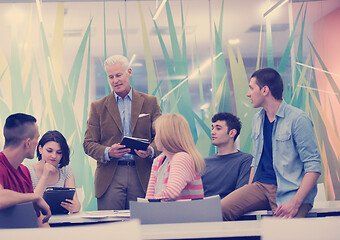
[{"x": 35, "y": 78}]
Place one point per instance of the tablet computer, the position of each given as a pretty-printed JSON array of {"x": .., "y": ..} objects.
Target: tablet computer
[{"x": 55, "y": 195}]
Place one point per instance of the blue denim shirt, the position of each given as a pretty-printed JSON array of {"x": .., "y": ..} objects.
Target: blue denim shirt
[{"x": 295, "y": 151}]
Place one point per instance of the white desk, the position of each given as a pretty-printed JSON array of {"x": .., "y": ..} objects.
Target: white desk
[
  {"x": 326, "y": 228},
  {"x": 89, "y": 217},
  {"x": 326, "y": 207},
  {"x": 320, "y": 209},
  {"x": 267, "y": 229},
  {"x": 248, "y": 229},
  {"x": 128, "y": 230},
  {"x": 132, "y": 230}
]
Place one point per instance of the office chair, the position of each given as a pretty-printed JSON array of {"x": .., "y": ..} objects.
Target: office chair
[
  {"x": 181, "y": 211},
  {"x": 19, "y": 216}
]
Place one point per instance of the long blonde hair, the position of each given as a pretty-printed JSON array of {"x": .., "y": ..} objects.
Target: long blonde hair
[{"x": 174, "y": 134}]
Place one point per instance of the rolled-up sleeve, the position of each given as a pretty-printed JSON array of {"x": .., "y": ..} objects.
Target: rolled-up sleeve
[{"x": 306, "y": 145}]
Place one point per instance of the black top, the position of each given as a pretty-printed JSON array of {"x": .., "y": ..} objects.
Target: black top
[{"x": 266, "y": 162}]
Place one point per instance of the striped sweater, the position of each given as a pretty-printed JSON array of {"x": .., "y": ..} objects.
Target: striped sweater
[{"x": 182, "y": 181}]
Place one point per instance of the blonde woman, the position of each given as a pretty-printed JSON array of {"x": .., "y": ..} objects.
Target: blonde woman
[{"x": 176, "y": 174}]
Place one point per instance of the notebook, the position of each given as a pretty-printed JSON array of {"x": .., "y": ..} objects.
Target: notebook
[{"x": 135, "y": 143}]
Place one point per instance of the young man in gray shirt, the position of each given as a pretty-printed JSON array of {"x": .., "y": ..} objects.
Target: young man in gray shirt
[{"x": 229, "y": 169}]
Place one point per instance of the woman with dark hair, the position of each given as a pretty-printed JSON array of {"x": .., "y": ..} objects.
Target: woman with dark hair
[{"x": 53, "y": 169}]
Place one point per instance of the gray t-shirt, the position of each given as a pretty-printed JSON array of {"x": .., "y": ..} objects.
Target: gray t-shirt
[
  {"x": 64, "y": 174},
  {"x": 226, "y": 173}
]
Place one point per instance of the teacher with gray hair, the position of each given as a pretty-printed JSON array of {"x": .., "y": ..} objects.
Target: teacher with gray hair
[{"x": 121, "y": 176}]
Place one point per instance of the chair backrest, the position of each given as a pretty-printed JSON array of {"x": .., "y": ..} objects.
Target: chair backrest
[
  {"x": 19, "y": 216},
  {"x": 181, "y": 211},
  {"x": 321, "y": 195}
]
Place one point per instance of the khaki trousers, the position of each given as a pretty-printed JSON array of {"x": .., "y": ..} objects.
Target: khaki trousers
[
  {"x": 253, "y": 197},
  {"x": 125, "y": 187}
]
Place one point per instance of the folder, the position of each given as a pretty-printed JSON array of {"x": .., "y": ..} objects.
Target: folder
[{"x": 135, "y": 143}]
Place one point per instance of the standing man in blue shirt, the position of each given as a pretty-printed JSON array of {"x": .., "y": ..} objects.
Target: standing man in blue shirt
[
  {"x": 286, "y": 164},
  {"x": 120, "y": 176}
]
